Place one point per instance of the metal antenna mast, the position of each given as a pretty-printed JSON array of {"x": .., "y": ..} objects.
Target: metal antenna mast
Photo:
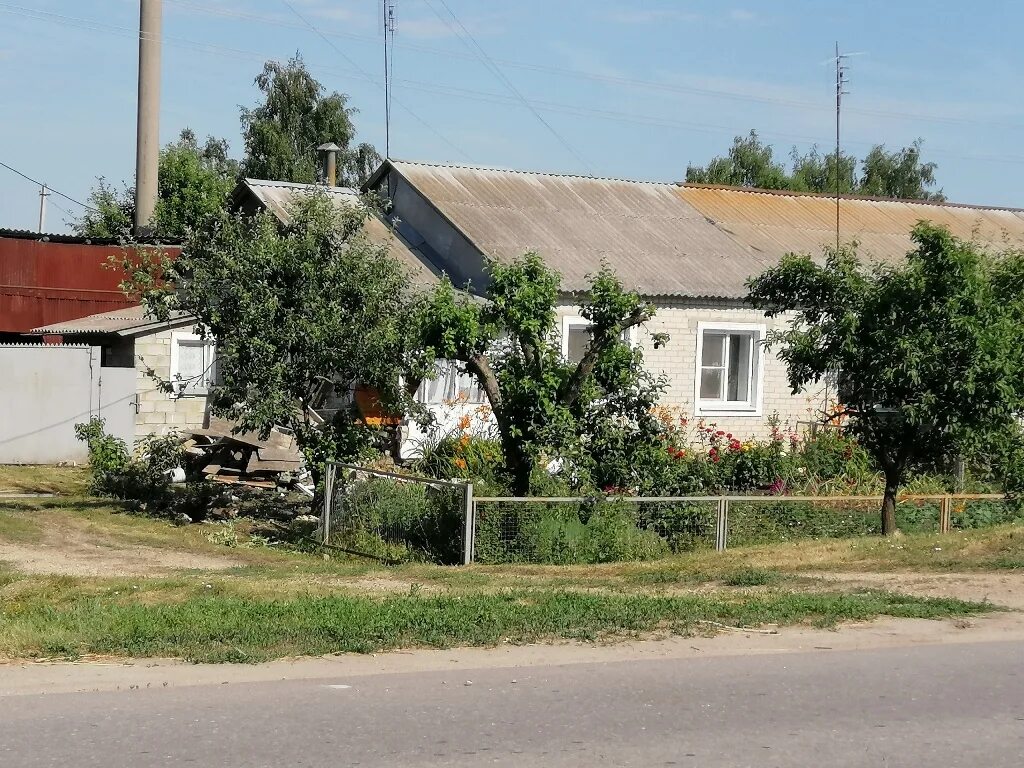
[
  {"x": 388, "y": 18},
  {"x": 840, "y": 85}
]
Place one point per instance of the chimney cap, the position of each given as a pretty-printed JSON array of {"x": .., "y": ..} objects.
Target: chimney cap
[{"x": 329, "y": 147}]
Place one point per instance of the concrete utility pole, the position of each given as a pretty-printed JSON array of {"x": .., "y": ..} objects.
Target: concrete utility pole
[
  {"x": 147, "y": 148},
  {"x": 43, "y": 194}
]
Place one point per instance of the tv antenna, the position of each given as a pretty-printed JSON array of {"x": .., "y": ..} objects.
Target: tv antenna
[
  {"x": 841, "y": 83},
  {"x": 388, "y": 30}
]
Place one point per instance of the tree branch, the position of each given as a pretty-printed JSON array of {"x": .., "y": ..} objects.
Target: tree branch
[
  {"x": 481, "y": 368},
  {"x": 598, "y": 344}
]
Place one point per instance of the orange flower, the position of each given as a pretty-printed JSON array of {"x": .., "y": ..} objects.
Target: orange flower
[
  {"x": 464, "y": 441},
  {"x": 460, "y": 463},
  {"x": 464, "y": 423}
]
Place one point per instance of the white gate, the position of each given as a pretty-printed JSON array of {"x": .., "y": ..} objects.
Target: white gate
[{"x": 46, "y": 389}]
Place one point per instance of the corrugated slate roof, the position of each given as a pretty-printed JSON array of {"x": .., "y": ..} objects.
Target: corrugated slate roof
[
  {"x": 646, "y": 232},
  {"x": 122, "y": 322},
  {"x": 277, "y": 197},
  {"x": 775, "y": 223}
]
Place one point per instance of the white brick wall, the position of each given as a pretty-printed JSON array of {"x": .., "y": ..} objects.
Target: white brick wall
[
  {"x": 159, "y": 412},
  {"x": 678, "y": 361}
]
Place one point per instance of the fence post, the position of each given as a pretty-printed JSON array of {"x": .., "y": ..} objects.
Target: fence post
[
  {"x": 470, "y": 529},
  {"x": 325, "y": 518},
  {"x": 945, "y": 514},
  {"x": 722, "y": 525}
]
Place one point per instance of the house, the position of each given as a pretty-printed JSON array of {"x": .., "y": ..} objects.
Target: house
[
  {"x": 48, "y": 278},
  {"x": 154, "y": 351},
  {"x": 688, "y": 249}
]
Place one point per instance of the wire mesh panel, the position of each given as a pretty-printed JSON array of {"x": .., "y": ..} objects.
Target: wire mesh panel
[
  {"x": 763, "y": 521},
  {"x": 395, "y": 518},
  {"x": 570, "y": 531},
  {"x": 968, "y": 513}
]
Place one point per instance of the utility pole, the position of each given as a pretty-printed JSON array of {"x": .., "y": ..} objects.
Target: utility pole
[
  {"x": 840, "y": 84},
  {"x": 147, "y": 148},
  {"x": 43, "y": 194},
  {"x": 388, "y": 17}
]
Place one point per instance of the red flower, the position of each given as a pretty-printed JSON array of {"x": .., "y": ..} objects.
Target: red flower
[
  {"x": 720, "y": 433},
  {"x": 729, "y": 435}
]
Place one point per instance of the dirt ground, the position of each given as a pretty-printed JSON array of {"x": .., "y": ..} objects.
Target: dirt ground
[
  {"x": 71, "y": 551},
  {"x": 1003, "y": 588}
]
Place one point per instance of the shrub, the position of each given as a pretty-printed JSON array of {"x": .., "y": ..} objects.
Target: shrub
[{"x": 401, "y": 521}]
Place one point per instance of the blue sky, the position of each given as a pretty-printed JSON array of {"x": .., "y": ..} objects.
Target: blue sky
[{"x": 632, "y": 89}]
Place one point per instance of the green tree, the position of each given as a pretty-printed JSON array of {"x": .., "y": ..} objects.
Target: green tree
[
  {"x": 816, "y": 172},
  {"x": 542, "y": 403},
  {"x": 927, "y": 353},
  {"x": 899, "y": 174},
  {"x": 749, "y": 163},
  {"x": 297, "y": 116},
  {"x": 194, "y": 182},
  {"x": 299, "y": 313}
]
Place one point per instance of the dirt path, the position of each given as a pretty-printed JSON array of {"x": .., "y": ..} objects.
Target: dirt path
[
  {"x": 70, "y": 551},
  {"x": 1005, "y": 588}
]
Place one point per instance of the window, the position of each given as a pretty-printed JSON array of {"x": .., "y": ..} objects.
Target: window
[
  {"x": 450, "y": 383},
  {"x": 576, "y": 338},
  {"x": 192, "y": 364},
  {"x": 729, "y": 368}
]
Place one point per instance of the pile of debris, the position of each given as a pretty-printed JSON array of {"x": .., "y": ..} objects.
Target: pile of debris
[{"x": 228, "y": 456}]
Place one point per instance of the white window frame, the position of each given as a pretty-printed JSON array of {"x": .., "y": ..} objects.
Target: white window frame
[
  {"x": 209, "y": 352},
  {"x": 575, "y": 321},
  {"x": 753, "y": 406}
]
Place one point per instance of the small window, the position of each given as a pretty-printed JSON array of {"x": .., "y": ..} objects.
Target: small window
[
  {"x": 576, "y": 338},
  {"x": 193, "y": 360},
  {"x": 450, "y": 384},
  {"x": 728, "y": 368}
]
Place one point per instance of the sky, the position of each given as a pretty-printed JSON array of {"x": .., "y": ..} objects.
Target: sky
[{"x": 617, "y": 88}]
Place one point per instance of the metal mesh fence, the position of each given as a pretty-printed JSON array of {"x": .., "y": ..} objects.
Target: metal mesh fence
[
  {"x": 567, "y": 531},
  {"x": 392, "y": 517},
  {"x": 579, "y": 530}
]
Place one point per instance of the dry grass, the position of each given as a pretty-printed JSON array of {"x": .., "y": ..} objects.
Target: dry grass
[{"x": 65, "y": 481}]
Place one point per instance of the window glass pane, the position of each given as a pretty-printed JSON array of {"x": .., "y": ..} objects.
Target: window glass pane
[
  {"x": 579, "y": 341},
  {"x": 713, "y": 353},
  {"x": 466, "y": 388},
  {"x": 711, "y": 384},
  {"x": 191, "y": 373},
  {"x": 440, "y": 387},
  {"x": 739, "y": 367}
]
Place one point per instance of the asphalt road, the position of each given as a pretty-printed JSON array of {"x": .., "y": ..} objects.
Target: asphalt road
[{"x": 950, "y": 705}]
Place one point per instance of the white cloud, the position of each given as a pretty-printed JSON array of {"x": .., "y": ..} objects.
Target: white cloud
[{"x": 739, "y": 14}]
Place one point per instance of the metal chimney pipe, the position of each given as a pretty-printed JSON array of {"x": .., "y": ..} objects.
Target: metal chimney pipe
[
  {"x": 147, "y": 147},
  {"x": 330, "y": 151}
]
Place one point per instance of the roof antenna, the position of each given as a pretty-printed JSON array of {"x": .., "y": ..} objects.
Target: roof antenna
[
  {"x": 840, "y": 85},
  {"x": 388, "y": 30}
]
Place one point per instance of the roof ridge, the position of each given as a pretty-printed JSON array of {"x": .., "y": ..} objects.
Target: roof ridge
[
  {"x": 521, "y": 172},
  {"x": 831, "y": 196},
  {"x": 299, "y": 185}
]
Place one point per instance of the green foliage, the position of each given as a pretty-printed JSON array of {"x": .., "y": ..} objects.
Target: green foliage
[
  {"x": 282, "y": 134},
  {"x": 928, "y": 354},
  {"x": 752, "y": 577},
  {"x": 749, "y": 163},
  {"x": 194, "y": 183},
  {"x": 108, "y": 455},
  {"x": 299, "y": 313},
  {"x": 399, "y": 521},
  {"x": 545, "y": 406}
]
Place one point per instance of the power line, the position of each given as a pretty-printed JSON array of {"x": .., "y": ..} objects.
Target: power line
[
  {"x": 372, "y": 79},
  {"x": 41, "y": 184},
  {"x": 619, "y": 80},
  {"x": 496, "y": 71},
  {"x": 494, "y": 98}
]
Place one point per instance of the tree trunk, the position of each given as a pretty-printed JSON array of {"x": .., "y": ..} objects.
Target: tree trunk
[
  {"x": 519, "y": 467},
  {"x": 892, "y": 486}
]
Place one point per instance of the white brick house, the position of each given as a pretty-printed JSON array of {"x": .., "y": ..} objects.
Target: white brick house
[
  {"x": 169, "y": 351},
  {"x": 689, "y": 249}
]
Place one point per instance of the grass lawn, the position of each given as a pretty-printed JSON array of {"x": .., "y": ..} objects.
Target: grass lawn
[{"x": 83, "y": 577}]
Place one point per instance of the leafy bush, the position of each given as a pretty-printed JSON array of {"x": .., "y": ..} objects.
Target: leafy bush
[{"x": 400, "y": 521}]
